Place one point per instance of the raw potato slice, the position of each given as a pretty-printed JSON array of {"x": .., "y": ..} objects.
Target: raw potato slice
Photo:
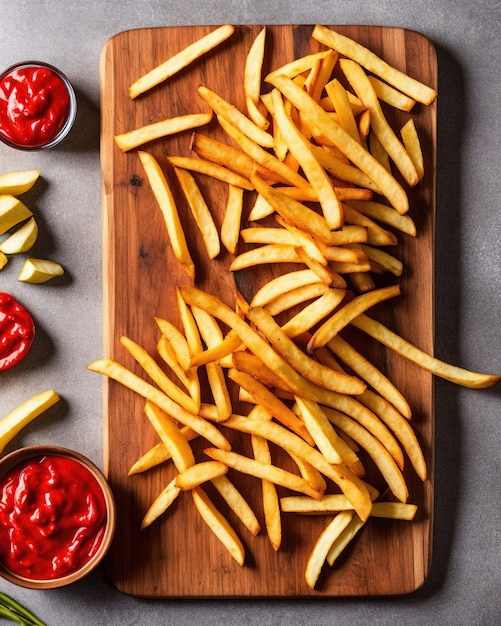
[
  {"x": 39, "y": 271},
  {"x": 12, "y": 212},
  {"x": 16, "y": 183},
  {"x": 22, "y": 240}
]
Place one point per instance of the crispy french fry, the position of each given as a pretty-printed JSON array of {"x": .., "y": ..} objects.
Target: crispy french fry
[
  {"x": 180, "y": 60},
  {"x": 199, "y": 473},
  {"x": 230, "y": 229},
  {"x": 330, "y": 503},
  {"x": 412, "y": 144},
  {"x": 160, "y": 504},
  {"x": 214, "y": 170},
  {"x": 237, "y": 503}
]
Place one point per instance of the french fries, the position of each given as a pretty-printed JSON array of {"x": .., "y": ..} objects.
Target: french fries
[{"x": 315, "y": 158}]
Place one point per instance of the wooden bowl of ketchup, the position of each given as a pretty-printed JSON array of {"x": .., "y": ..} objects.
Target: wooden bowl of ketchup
[{"x": 57, "y": 517}]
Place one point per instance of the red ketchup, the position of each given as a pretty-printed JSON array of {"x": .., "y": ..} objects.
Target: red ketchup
[
  {"x": 34, "y": 105},
  {"x": 52, "y": 517},
  {"x": 17, "y": 331}
]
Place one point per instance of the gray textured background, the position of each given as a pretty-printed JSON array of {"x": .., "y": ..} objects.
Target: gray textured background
[{"x": 465, "y": 581}]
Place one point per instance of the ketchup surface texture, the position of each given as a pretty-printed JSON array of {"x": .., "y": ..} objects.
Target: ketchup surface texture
[
  {"x": 17, "y": 331},
  {"x": 52, "y": 517},
  {"x": 34, "y": 105}
]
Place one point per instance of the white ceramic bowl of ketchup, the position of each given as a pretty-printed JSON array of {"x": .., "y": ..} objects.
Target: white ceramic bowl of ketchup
[{"x": 57, "y": 517}]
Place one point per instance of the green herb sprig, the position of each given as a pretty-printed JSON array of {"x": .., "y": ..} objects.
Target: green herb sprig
[{"x": 10, "y": 609}]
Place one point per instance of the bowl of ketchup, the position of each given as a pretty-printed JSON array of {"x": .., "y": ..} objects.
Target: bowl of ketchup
[
  {"x": 57, "y": 517},
  {"x": 37, "y": 106}
]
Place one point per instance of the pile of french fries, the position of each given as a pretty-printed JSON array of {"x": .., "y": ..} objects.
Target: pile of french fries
[{"x": 317, "y": 156}]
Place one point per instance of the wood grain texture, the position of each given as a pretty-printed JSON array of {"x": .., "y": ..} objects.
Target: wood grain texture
[{"x": 178, "y": 557}]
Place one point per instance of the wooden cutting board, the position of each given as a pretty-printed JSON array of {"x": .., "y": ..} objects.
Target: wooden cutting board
[{"x": 178, "y": 556}]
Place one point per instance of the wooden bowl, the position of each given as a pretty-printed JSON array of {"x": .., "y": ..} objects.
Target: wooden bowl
[{"x": 22, "y": 457}]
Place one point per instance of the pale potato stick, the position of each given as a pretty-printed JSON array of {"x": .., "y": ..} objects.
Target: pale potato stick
[
  {"x": 199, "y": 473},
  {"x": 377, "y": 451},
  {"x": 155, "y": 372},
  {"x": 298, "y": 66},
  {"x": 177, "y": 340},
  {"x": 200, "y": 211},
  {"x": 180, "y": 60},
  {"x": 282, "y": 284},
  {"x": 390, "y": 95},
  {"x": 394, "y": 510},
  {"x": 228, "y": 346},
  {"x": 344, "y": 539},
  {"x": 160, "y": 504},
  {"x": 368, "y": 59},
  {"x": 363, "y": 368},
  {"x": 264, "y": 397},
  {"x": 341, "y": 169},
  {"x": 253, "y": 67},
  {"x": 384, "y": 214},
  {"x": 413, "y": 145},
  {"x": 219, "y": 525},
  {"x": 312, "y": 370},
  {"x": 214, "y": 170},
  {"x": 292, "y": 211},
  {"x": 158, "y": 454},
  {"x": 237, "y": 503},
  {"x": 171, "y": 436},
  {"x": 354, "y": 489},
  {"x": 261, "y": 255},
  {"x": 362, "y": 86},
  {"x": 261, "y": 156},
  {"x": 339, "y": 98},
  {"x": 296, "y": 296},
  {"x": 273, "y": 473},
  {"x": 230, "y": 228},
  {"x": 376, "y": 235},
  {"x": 232, "y": 115},
  {"x": 401, "y": 428},
  {"x": 318, "y": 555},
  {"x": 383, "y": 259},
  {"x": 314, "y": 172},
  {"x": 118, "y": 372},
  {"x": 452, "y": 373},
  {"x": 139, "y": 136},
  {"x": 385, "y": 183},
  {"x": 331, "y": 503},
  {"x": 163, "y": 194},
  {"x": 313, "y": 313},
  {"x": 348, "y": 312}
]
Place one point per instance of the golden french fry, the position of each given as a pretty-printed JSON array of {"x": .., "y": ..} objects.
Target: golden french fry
[
  {"x": 390, "y": 95},
  {"x": 219, "y": 525},
  {"x": 158, "y": 454},
  {"x": 383, "y": 180},
  {"x": 296, "y": 296},
  {"x": 341, "y": 169},
  {"x": 339, "y": 98},
  {"x": 313, "y": 313},
  {"x": 330, "y": 503},
  {"x": 384, "y": 214},
  {"x": 214, "y": 170},
  {"x": 155, "y": 372},
  {"x": 160, "y": 504},
  {"x": 163, "y": 194},
  {"x": 139, "y": 136},
  {"x": 189, "y": 378},
  {"x": 270, "y": 253},
  {"x": 312, "y": 370},
  {"x": 378, "y": 151},
  {"x": 344, "y": 539},
  {"x": 364, "y": 90},
  {"x": 381, "y": 259},
  {"x": 230, "y": 228},
  {"x": 273, "y": 473},
  {"x": 232, "y": 115},
  {"x": 177, "y": 340},
  {"x": 349, "y": 311},
  {"x": 253, "y": 67},
  {"x": 199, "y": 473},
  {"x": 368, "y": 59},
  {"x": 354, "y": 489},
  {"x": 322, "y": 546},
  {"x": 200, "y": 211},
  {"x": 376, "y": 234},
  {"x": 237, "y": 503},
  {"x": 298, "y": 66},
  {"x": 118, "y": 372},
  {"x": 380, "y": 455},
  {"x": 452, "y": 373},
  {"x": 221, "y": 352},
  {"x": 394, "y": 510},
  {"x": 299, "y": 147},
  {"x": 180, "y": 60},
  {"x": 413, "y": 145}
]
